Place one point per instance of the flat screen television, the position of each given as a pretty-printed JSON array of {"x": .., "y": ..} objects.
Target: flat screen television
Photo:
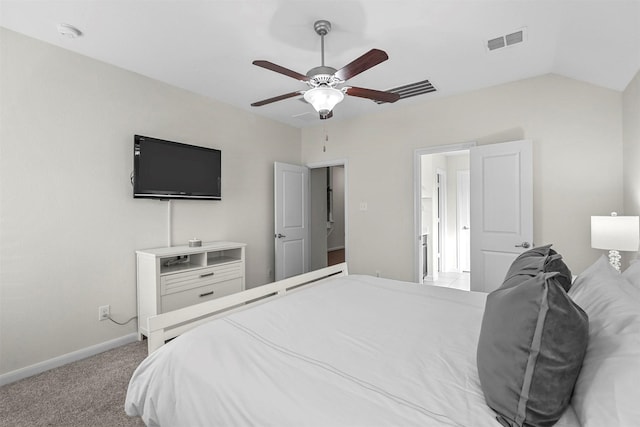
[{"x": 172, "y": 170}]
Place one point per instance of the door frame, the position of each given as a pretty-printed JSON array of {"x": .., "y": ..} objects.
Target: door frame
[
  {"x": 417, "y": 198},
  {"x": 441, "y": 198},
  {"x": 345, "y": 164},
  {"x": 459, "y": 204}
]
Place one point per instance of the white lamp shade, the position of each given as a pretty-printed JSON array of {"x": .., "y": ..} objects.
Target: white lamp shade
[
  {"x": 619, "y": 233},
  {"x": 323, "y": 98}
]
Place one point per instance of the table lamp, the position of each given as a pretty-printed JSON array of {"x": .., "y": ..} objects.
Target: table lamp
[{"x": 615, "y": 233}]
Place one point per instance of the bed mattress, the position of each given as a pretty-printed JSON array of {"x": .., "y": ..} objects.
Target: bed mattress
[{"x": 351, "y": 351}]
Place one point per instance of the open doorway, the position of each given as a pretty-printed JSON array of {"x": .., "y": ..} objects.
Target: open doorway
[
  {"x": 327, "y": 215},
  {"x": 442, "y": 216},
  {"x": 500, "y": 212}
]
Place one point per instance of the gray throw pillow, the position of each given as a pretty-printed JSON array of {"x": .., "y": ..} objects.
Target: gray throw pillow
[
  {"x": 632, "y": 273},
  {"x": 532, "y": 343},
  {"x": 540, "y": 259}
]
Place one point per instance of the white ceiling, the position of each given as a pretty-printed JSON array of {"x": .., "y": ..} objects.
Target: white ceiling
[{"x": 207, "y": 46}]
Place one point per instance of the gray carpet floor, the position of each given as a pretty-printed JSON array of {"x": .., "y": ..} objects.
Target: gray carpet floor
[{"x": 89, "y": 392}]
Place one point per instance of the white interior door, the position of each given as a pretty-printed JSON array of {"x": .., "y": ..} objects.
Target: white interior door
[
  {"x": 501, "y": 210},
  {"x": 291, "y": 194},
  {"x": 463, "y": 223}
]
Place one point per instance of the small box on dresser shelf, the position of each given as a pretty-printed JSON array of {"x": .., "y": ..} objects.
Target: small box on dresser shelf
[{"x": 170, "y": 278}]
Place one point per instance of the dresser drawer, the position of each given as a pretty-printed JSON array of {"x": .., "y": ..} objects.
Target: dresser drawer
[
  {"x": 179, "y": 282},
  {"x": 189, "y": 297}
]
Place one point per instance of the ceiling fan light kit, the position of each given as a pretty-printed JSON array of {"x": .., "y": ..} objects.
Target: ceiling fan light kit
[
  {"x": 323, "y": 81},
  {"x": 323, "y": 98}
]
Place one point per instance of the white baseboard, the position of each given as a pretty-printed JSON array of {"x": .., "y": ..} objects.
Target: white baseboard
[
  {"x": 83, "y": 353},
  {"x": 337, "y": 248}
]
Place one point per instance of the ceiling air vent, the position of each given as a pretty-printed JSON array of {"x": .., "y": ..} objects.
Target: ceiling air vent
[
  {"x": 413, "y": 89},
  {"x": 506, "y": 40},
  {"x": 513, "y": 38},
  {"x": 496, "y": 43}
]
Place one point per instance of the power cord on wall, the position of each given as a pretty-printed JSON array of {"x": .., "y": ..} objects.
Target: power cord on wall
[{"x": 121, "y": 324}]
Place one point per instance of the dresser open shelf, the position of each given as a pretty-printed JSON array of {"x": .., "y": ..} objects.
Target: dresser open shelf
[{"x": 170, "y": 278}]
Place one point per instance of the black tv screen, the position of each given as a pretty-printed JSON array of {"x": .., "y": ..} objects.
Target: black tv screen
[{"x": 172, "y": 170}]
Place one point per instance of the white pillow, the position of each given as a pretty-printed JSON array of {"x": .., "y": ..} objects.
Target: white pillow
[
  {"x": 633, "y": 273},
  {"x": 607, "y": 392}
]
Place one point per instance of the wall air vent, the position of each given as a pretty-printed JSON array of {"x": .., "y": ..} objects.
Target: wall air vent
[
  {"x": 413, "y": 89},
  {"x": 506, "y": 40}
]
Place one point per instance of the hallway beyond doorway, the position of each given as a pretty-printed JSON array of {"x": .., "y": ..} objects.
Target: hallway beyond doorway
[
  {"x": 451, "y": 280},
  {"x": 335, "y": 257}
]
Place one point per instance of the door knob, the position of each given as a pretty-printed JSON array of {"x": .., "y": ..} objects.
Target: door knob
[
  {"x": 465, "y": 228},
  {"x": 280, "y": 236},
  {"x": 525, "y": 245}
]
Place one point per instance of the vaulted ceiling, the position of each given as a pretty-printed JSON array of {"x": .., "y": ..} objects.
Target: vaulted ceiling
[{"x": 207, "y": 46}]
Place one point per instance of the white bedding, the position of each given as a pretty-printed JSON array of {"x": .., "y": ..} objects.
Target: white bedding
[{"x": 353, "y": 351}]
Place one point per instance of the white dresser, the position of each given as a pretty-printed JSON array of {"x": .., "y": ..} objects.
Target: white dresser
[{"x": 170, "y": 278}]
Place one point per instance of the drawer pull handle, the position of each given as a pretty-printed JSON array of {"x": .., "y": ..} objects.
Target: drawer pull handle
[
  {"x": 206, "y": 275},
  {"x": 206, "y": 294}
]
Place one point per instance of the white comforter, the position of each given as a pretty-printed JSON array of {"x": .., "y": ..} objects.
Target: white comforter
[{"x": 353, "y": 351}]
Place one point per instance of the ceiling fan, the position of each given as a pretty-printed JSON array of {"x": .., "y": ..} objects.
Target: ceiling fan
[{"x": 324, "y": 82}]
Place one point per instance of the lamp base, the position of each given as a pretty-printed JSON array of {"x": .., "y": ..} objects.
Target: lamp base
[{"x": 614, "y": 259}]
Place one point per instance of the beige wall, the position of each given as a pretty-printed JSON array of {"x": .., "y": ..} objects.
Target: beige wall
[
  {"x": 69, "y": 225},
  {"x": 631, "y": 149},
  {"x": 576, "y": 129},
  {"x": 631, "y": 132}
]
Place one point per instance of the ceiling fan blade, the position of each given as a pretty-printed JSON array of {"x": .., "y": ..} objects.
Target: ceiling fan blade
[
  {"x": 279, "y": 69},
  {"x": 376, "y": 95},
  {"x": 276, "y": 98},
  {"x": 363, "y": 63}
]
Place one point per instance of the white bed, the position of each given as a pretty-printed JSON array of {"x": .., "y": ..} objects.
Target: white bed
[{"x": 349, "y": 351}]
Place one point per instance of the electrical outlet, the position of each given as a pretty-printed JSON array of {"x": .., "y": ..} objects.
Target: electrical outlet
[{"x": 104, "y": 312}]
